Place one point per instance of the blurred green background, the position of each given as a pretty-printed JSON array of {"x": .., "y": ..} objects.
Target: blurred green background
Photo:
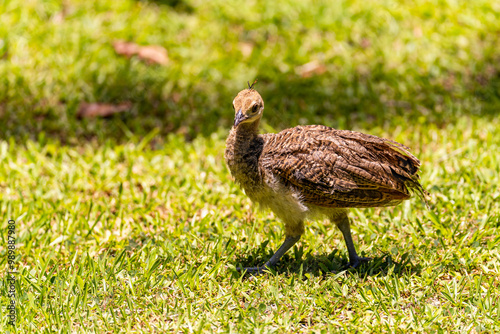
[{"x": 379, "y": 62}]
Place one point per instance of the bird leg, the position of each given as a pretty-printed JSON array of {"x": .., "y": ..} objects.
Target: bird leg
[
  {"x": 287, "y": 244},
  {"x": 354, "y": 259}
]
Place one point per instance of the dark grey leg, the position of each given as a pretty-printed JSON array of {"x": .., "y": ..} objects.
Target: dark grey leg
[
  {"x": 354, "y": 259},
  {"x": 287, "y": 244}
]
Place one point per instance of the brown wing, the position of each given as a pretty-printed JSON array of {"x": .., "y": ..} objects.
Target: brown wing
[{"x": 337, "y": 168}]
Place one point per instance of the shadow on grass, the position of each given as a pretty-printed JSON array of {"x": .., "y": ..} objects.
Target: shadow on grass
[
  {"x": 321, "y": 265},
  {"x": 290, "y": 101},
  {"x": 177, "y": 5}
]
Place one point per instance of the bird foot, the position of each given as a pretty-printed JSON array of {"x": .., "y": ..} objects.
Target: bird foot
[
  {"x": 357, "y": 262},
  {"x": 252, "y": 270}
]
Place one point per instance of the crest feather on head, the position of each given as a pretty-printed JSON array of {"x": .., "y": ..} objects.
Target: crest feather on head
[{"x": 251, "y": 86}]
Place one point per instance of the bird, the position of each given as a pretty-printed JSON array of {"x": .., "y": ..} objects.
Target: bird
[{"x": 315, "y": 171}]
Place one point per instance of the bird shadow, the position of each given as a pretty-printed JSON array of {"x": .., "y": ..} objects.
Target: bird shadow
[{"x": 327, "y": 264}]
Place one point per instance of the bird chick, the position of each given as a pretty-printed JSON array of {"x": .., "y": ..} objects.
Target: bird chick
[{"x": 314, "y": 171}]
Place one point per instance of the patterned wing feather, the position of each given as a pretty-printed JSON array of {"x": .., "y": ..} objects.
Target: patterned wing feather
[{"x": 338, "y": 168}]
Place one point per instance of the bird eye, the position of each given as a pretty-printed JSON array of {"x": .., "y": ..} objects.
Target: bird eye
[{"x": 255, "y": 108}]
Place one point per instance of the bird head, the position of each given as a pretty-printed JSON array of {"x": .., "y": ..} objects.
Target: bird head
[{"x": 248, "y": 106}]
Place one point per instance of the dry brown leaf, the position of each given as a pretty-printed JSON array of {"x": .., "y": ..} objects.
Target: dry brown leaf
[
  {"x": 312, "y": 68},
  {"x": 246, "y": 48},
  {"x": 417, "y": 32},
  {"x": 59, "y": 17},
  {"x": 153, "y": 54},
  {"x": 126, "y": 49},
  {"x": 90, "y": 110},
  {"x": 163, "y": 212},
  {"x": 365, "y": 43},
  {"x": 176, "y": 97},
  {"x": 149, "y": 53}
]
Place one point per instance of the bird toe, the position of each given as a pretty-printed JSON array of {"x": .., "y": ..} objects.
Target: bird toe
[{"x": 358, "y": 261}]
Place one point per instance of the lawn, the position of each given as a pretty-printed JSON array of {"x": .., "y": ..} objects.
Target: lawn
[{"x": 133, "y": 224}]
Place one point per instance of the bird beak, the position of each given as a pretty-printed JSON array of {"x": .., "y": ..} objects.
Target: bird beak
[{"x": 240, "y": 117}]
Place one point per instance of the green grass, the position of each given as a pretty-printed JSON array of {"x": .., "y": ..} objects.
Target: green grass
[{"x": 134, "y": 224}]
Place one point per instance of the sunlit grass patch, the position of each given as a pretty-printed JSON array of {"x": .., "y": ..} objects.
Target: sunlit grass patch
[{"x": 147, "y": 238}]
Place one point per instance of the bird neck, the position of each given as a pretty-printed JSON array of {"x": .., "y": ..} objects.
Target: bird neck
[
  {"x": 247, "y": 131},
  {"x": 243, "y": 149},
  {"x": 242, "y": 140}
]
